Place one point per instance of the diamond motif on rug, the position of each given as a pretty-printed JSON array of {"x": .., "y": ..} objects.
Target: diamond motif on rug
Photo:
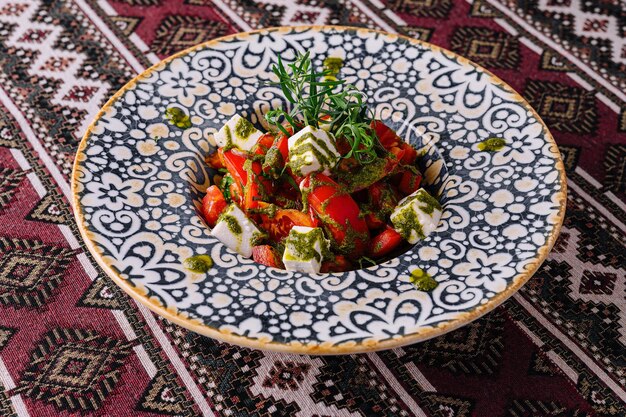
[
  {"x": 480, "y": 8},
  {"x": 551, "y": 61},
  {"x": 472, "y": 349},
  {"x": 423, "y": 34},
  {"x": 422, "y": 8},
  {"x": 181, "y": 32},
  {"x": 490, "y": 48},
  {"x": 570, "y": 156},
  {"x": 541, "y": 365},
  {"x": 126, "y": 24},
  {"x": 30, "y": 271},
  {"x": 445, "y": 405},
  {"x": 292, "y": 379},
  {"x": 50, "y": 209},
  {"x": 9, "y": 181},
  {"x": 99, "y": 295},
  {"x": 564, "y": 108},
  {"x": 73, "y": 369},
  {"x": 615, "y": 168},
  {"x": 6, "y": 333},
  {"x": 161, "y": 397}
]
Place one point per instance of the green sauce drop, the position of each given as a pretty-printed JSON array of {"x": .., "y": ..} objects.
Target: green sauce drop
[
  {"x": 430, "y": 202},
  {"x": 198, "y": 263},
  {"x": 492, "y": 144},
  {"x": 332, "y": 65},
  {"x": 178, "y": 117},
  {"x": 232, "y": 223},
  {"x": 243, "y": 128},
  {"x": 422, "y": 280}
]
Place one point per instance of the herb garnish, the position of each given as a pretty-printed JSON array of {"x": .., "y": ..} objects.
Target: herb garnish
[{"x": 321, "y": 101}]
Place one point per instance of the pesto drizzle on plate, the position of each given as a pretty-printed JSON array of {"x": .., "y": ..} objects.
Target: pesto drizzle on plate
[
  {"x": 422, "y": 280},
  {"x": 199, "y": 263},
  {"x": 491, "y": 145}
]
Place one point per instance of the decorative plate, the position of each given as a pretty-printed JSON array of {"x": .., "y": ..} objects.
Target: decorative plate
[{"x": 138, "y": 181}]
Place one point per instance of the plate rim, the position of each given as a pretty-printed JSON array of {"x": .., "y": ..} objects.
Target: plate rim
[{"x": 324, "y": 348}]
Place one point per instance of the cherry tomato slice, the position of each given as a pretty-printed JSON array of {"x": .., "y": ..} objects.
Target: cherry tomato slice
[
  {"x": 268, "y": 256},
  {"x": 338, "y": 212},
  {"x": 339, "y": 264},
  {"x": 233, "y": 161},
  {"x": 374, "y": 222},
  {"x": 410, "y": 182},
  {"x": 213, "y": 204},
  {"x": 384, "y": 243},
  {"x": 410, "y": 154},
  {"x": 386, "y": 136},
  {"x": 278, "y": 227},
  {"x": 263, "y": 144},
  {"x": 214, "y": 160}
]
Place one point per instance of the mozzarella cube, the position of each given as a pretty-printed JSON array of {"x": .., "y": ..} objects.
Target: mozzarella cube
[
  {"x": 304, "y": 249},
  {"x": 236, "y": 231},
  {"x": 312, "y": 150},
  {"x": 238, "y": 133},
  {"x": 416, "y": 216}
]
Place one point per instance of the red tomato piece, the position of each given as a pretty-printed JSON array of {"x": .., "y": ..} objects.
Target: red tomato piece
[
  {"x": 278, "y": 227},
  {"x": 339, "y": 264},
  {"x": 373, "y": 221},
  {"x": 236, "y": 193},
  {"x": 282, "y": 143},
  {"x": 410, "y": 154},
  {"x": 234, "y": 164},
  {"x": 268, "y": 256},
  {"x": 214, "y": 160},
  {"x": 263, "y": 144},
  {"x": 386, "y": 136},
  {"x": 213, "y": 204},
  {"x": 384, "y": 243},
  {"x": 338, "y": 212},
  {"x": 409, "y": 183}
]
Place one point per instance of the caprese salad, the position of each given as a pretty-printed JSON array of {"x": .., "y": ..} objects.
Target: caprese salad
[{"x": 327, "y": 189}]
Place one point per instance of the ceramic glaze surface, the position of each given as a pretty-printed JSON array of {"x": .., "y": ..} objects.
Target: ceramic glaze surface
[{"x": 138, "y": 182}]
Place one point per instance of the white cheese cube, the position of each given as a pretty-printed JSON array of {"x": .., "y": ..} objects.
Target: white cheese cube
[
  {"x": 312, "y": 150},
  {"x": 236, "y": 231},
  {"x": 304, "y": 249},
  {"x": 238, "y": 133},
  {"x": 416, "y": 216}
]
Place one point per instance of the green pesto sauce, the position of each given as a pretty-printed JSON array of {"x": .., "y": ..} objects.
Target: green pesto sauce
[
  {"x": 232, "y": 223},
  {"x": 306, "y": 143},
  {"x": 406, "y": 221},
  {"x": 422, "y": 280},
  {"x": 364, "y": 177},
  {"x": 243, "y": 128},
  {"x": 257, "y": 239},
  {"x": 270, "y": 210},
  {"x": 492, "y": 144},
  {"x": 333, "y": 65},
  {"x": 300, "y": 246},
  {"x": 198, "y": 263},
  {"x": 430, "y": 203},
  {"x": 178, "y": 117},
  {"x": 229, "y": 139},
  {"x": 273, "y": 162}
]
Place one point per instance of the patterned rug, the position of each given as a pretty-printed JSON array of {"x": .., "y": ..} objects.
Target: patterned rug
[{"x": 72, "y": 344}]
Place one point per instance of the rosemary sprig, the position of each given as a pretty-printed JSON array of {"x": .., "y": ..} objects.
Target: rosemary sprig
[{"x": 317, "y": 99}]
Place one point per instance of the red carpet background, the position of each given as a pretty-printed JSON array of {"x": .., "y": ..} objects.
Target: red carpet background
[{"x": 72, "y": 344}]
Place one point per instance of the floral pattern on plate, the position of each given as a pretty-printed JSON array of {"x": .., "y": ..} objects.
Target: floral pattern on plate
[{"x": 138, "y": 181}]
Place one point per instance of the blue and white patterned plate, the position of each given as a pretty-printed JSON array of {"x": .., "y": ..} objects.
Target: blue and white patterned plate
[{"x": 138, "y": 181}]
